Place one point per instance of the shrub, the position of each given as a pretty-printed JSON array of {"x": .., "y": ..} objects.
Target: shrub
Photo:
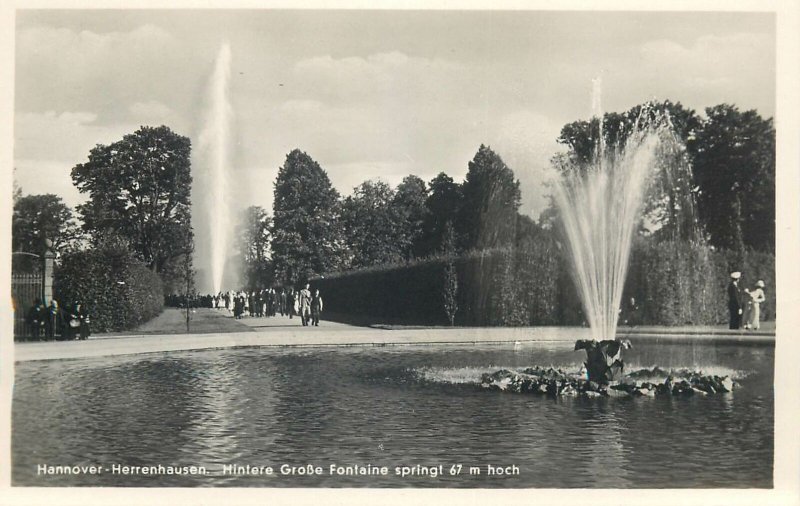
[
  {"x": 673, "y": 282},
  {"x": 118, "y": 290}
]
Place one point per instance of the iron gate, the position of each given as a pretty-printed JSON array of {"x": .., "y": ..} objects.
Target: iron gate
[{"x": 25, "y": 289}]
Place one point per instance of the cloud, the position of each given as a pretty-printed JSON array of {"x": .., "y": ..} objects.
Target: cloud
[
  {"x": 47, "y": 176},
  {"x": 150, "y": 109},
  {"x": 710, "y": 55},
  {"x": 526, "y": 141},
  {"x": 65, "y": 69},
  {"x": 389, "y": 77},
  {"x": 66, "y": 136},
  {"x": 49, "y": 144},
  {"x": 710, "y": 69}
]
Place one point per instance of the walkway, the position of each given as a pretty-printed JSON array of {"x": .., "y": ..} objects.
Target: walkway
[{"x": 284, "y": 332}]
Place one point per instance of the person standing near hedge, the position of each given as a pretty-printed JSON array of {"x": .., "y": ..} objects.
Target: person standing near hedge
[
  {"x": 54, "y": 320},
  {"x": 36, "y": 319},
  {"x": 78, "y": 321},
  {"x": 753, "y": 313},
  {"x": 316, "y": 307},
  {"x": 735, "y": 301}
]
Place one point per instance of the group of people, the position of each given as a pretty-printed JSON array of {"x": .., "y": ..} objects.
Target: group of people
[
  {"x": 744, "y": 306},
  {"x": 51, "y": 322},
  {"x": 271, "y": 301}
]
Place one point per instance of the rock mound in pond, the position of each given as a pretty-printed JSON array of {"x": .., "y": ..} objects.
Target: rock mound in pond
[{"x": 556, "y": 382}]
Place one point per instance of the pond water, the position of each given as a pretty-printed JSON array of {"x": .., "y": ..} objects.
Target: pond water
[{"x": 395, "y": 407}]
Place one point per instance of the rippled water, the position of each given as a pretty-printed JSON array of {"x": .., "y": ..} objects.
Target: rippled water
[{"x": 393, "y": 406}]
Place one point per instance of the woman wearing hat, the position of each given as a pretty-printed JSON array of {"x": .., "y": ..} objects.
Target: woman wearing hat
[{"x": 753, "y": 313}]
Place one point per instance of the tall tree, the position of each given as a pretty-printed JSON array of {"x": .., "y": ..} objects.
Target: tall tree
[
  {"x": 734, "y": 166},
  {"x": 409, "y": 201},
  {"x": 254, "y": 244},
  {"x": 374, "y": 230},
  {"x": 139, "y": 188},
  {"x": 37, "y": 219},
  {"x": 443, "y": 205},
  {"x": 307, "y": 235},
  {"x": 491, "y": 200}
]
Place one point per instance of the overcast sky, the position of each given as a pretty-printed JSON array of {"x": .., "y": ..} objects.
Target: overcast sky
[{"x": 368, "y": 94}]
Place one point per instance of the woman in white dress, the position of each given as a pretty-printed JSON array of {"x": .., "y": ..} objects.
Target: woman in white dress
[{"x": 752, "y": 320}]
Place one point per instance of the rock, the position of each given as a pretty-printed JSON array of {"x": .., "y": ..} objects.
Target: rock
[
  {"x": 555, "y": 382},
  {"x": 616, "y": 392},
  {"x": 726, "y": 384},
  {"x": 663, "y": 389}
]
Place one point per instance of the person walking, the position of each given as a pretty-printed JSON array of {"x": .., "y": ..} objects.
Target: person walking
[
  {"x": 752, "y": 314},
  {"x": 291, "y": 303},
  {"x": 734, "y": 302},
  {"x": 316, "y": 308},
  {"x": 305, "y": 305}
]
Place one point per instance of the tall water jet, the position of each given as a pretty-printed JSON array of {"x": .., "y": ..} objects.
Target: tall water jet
[
  {"x": 600, "y": 202},
  {"x": 213, "y": 209}
]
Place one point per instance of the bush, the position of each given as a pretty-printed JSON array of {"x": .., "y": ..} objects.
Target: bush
[
  {"x": 674, "y": 283},
  {"x": 508, "y": 287},
  {"x": 118, "y": 290}
]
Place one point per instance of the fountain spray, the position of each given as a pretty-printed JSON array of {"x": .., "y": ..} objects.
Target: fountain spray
[
  {"x": 214, "y": 171},
  {"x": 600, "y": 205}
]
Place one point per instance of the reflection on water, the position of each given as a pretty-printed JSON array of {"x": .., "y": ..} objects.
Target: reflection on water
[{"x": 388, "y": 407}]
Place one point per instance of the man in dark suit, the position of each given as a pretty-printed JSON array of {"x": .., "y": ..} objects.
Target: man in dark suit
[{"x": 735, "y": 301}]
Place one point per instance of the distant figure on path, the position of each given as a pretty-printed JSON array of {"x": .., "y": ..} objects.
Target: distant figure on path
[
  {"x": 316, "y": 307},
  {"x": 735, "y": 301},
  {"x": 305, "y": 305},
  {"x": 238, "y": 306},
  {"x": 631, "y": 313},
  {"x": 291, "y": 303},
  {"x": 752, "y": 314}
]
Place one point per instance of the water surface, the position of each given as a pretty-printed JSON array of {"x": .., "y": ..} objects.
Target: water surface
[{"x": 393, "y": 407}]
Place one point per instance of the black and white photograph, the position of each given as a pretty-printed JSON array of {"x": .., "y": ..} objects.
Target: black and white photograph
[{"x": 302, "y": 253}]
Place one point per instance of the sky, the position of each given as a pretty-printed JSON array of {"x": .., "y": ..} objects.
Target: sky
[{"x": 367, "y": 94}]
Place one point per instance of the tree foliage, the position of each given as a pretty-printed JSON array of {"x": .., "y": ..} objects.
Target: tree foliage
[
  {"x": 38, "y": 218},
  {"x": 254, "y": 235},
  {"x": 491, "y": 198},
  {"x": 717, "y": 180},
  {"x": 374, "y": 226},
  {"x": 443, "y": 205},
  {"x": 409, "y": 201},
  {"x": 734, "y": 166},
  {"x": 139, "y": 188},
  {"x": 307, "y": 236}
]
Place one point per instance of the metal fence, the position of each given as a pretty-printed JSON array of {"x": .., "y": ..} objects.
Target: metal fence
[{"x": 25, "y": 289}]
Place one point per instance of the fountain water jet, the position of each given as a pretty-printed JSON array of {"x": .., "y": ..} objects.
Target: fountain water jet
[
  {"x": 600, "y": 205},
  {"x": 215, "y": 203}
]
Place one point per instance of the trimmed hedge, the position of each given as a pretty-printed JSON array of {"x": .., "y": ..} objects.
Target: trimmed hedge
[
  {"x": 674, "y": 283},
  {"x": 119, "y": 291}
]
